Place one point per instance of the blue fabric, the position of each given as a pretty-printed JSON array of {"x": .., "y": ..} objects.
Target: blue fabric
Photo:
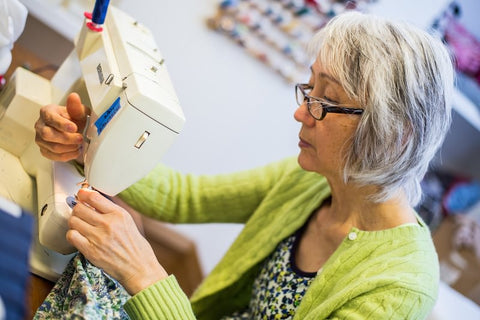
[
  {"x": 15, "y": 241},
  {"x": 462, "y": 197}
]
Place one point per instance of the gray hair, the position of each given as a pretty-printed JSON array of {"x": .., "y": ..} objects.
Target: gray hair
[{"x": 403, "y": 77}]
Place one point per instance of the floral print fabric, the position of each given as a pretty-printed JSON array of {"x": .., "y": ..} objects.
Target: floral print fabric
[
  {"x": 279, "y": 287},
  {"x": 84, "y": 292}
]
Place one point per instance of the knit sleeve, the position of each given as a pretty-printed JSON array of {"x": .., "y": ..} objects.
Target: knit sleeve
[
  {"x": 170, "y": 196},
  {"x": 391, "y": 303},
  {"x": 162, "y": 300}
]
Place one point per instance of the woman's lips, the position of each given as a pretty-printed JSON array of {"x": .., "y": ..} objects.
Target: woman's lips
[{"x": 303, "y": 144}]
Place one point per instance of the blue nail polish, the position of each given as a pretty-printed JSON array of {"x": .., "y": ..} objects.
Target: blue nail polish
[{"x": 71, "y": 201}]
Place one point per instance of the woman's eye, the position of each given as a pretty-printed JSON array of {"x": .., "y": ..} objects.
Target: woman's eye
[{"x": 330, "y": 100}]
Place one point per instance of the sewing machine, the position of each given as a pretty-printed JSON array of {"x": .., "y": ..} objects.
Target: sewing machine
[{"x": 135, "y": 116}]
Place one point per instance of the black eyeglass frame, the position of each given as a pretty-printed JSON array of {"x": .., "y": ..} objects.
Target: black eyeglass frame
[{"x": 325, "y": 105}]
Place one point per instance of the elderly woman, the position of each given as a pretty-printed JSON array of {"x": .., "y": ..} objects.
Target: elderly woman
[{"x": 330, "y": 235}]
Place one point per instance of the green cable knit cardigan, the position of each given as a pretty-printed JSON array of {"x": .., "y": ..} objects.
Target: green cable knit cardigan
[{"x": 388, "y": 274}]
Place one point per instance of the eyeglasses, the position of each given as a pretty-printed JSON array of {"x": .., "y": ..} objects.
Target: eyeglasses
[{"x": 318, "y": 107}]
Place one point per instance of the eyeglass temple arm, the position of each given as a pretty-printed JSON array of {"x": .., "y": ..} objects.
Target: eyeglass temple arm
[{"x": 343, "y": 110}]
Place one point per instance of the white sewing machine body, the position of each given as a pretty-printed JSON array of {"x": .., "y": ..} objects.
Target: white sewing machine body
[
  {"x": 135, "y": 116},
  {"x": 135, "y": 111}
]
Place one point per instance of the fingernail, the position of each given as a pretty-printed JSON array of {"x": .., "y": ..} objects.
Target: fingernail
[{"x": 71, "y": 201}]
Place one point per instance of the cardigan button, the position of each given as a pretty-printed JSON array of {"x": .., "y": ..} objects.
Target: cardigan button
[{"x": 352, "y": 236}]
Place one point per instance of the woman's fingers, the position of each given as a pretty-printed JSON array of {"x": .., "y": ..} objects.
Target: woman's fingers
[
  {"x": 84, "y": 216},
  {"x": 52, "y": 127},
  {"x": 95, "y": 200},
  {"x": 57, "y": 117},
  {"x": 77, "y": 239},
  {"x": 65, "y": 156},
  {"x": 89, "y": 231},
  {"x": 48, "y": 133},
  {"x": 76, "y": 110},
  {"x": 55, "y": 135},
  {"x": 57, "y": 131},
  {"x": 57, "y": 147},
  {"x": 108, "y": 237}
]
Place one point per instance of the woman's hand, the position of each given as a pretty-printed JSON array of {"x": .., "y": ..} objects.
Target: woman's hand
[
  {"x": 107, "y": 236},
  {"x": 58, "y": 130}
]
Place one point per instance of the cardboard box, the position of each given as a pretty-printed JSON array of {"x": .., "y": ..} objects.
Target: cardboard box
[{"x": 459, "y": 268}]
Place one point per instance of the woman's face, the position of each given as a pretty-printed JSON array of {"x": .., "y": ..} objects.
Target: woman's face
[{"x": 321, "y": 142}]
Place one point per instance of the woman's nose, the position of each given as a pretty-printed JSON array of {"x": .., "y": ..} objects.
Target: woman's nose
[{"x": 302, "y": 115}]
